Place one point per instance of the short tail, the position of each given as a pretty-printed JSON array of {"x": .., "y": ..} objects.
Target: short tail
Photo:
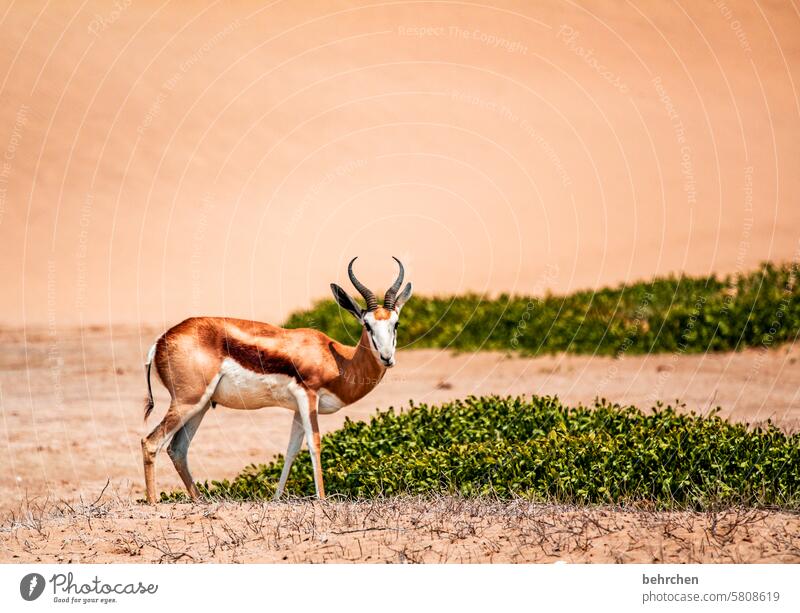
[{"x": 148, "y": 402}]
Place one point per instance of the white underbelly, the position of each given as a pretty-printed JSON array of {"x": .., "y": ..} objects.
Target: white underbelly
[
  {"x": 240, "y": 388},
  {"x": 328, "y": 402}
]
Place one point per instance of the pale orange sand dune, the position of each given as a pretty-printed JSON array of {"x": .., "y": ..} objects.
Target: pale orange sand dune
[{"x": 166, "y": 159}]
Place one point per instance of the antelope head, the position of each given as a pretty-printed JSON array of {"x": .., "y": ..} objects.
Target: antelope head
[{"x": 380, "y": 322}]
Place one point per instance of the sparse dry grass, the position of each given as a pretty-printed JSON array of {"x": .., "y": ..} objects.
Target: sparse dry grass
[{"x": 405, "y": 530}]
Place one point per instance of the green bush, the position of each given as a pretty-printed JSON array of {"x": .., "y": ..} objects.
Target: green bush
[
  {"x": 538, "y": 449},
  {"x": 689, "y": 315}
]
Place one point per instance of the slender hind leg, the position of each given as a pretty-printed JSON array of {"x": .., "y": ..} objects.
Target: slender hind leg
[
  {"x": 177, "y": 416},
  {"x": 178, "y": 450},
  {"x": 295, "y": 441}
]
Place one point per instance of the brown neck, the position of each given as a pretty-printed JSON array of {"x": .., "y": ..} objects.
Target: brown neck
[{"x": 359, "y": 371}]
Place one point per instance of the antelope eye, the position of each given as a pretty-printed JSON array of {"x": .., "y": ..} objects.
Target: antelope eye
[{"x": 366, "y": 325}]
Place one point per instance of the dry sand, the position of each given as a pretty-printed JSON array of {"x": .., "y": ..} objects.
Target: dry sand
[{"x": 394, "y": 530}]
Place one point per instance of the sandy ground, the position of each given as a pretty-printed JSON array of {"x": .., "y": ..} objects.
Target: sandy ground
[
  {"x": 395, "y": 530},
  {"x": 72, "y": 421}
]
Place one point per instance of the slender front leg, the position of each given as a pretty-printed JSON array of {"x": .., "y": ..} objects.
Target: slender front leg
[
  {"x": 307, "y": 401},
  {"x": 295, "y": 440}
]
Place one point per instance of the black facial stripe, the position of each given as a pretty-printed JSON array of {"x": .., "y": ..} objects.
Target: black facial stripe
[{"x": 372, "y": 340}]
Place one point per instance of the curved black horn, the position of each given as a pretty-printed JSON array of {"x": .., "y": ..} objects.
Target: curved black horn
[
  {"x": 372, "y": 301},
  {"x": 390, "y": 296}
]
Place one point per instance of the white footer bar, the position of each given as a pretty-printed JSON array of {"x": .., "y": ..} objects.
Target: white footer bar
[{"x": 406, "y": 589}]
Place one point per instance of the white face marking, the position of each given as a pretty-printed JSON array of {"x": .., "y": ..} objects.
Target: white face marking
[
  {"x": 241, "y": 388},
  {"x": 383, "y": 336}
]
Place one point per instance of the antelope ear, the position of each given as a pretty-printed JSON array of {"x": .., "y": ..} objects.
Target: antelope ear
[
  {"x": 404, "y": 295},
  {"x": 344, "y": 300}
]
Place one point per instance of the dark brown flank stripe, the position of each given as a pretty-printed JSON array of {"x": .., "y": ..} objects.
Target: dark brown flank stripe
[{"x": 261, "y": 361}]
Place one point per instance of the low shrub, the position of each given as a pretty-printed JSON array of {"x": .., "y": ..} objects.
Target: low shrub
[
  {"x": 536, "y": 448},
  {"x": 672, "y": 314}
]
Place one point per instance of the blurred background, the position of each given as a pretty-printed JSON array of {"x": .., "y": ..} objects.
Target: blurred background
[{"x": 161, "y": 160}]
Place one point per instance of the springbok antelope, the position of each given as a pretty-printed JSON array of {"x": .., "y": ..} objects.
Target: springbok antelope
[{"x": 205, "y": 361}]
